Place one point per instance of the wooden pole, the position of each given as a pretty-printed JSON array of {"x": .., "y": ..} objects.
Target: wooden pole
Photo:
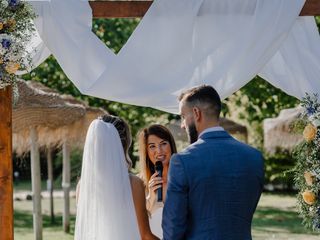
[
  {"x": 66, "y": 186},
  {"x": 36, "y": 184},
  {"x": 6, "y": 180},
  {"x": 50, "y": 182}
]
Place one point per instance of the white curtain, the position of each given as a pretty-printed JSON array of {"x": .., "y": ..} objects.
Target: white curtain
[
  {"x": 295, "y": 68},
  {"x": 64, "y": 27},
  {"x": 183, "y": 43}
]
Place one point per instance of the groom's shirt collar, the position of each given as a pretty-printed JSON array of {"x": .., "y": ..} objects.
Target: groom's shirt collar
[{"x": 212, "y": 129}]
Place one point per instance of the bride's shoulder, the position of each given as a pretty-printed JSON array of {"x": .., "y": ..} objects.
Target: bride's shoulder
[
  {"x": 136, "y": 182},
  {"x": 138, "y": 192}
]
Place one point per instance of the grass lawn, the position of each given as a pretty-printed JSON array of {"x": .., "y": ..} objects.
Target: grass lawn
[
  {"x": 23, "y": 222},
  {"x": 275, "y": 218}
]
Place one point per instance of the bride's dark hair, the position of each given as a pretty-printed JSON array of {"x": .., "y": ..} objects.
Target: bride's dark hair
[{"x": 124, "y": 133}]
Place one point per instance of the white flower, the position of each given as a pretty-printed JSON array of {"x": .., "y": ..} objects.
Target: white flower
[
  {"x": 2, "y": 50},
  {"x": 4, "y": 3},
  {"x": 316, "y": 122},
  {"x": 5, "y": 36},
  {"x": 311, "y": 118},
  {"x": 14, "y": 56}
]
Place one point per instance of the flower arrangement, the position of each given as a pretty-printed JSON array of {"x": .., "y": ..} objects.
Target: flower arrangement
[
  {"x": 307, "y": 169},
  {"x": 16, "y": 30}
]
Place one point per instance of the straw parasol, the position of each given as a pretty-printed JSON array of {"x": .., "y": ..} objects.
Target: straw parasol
[
  {"x": 38, "y": 107},
  {"x": 57, "y": 118},
  {"x": 277, "y": 131}
]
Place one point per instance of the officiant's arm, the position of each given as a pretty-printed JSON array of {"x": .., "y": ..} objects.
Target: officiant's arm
[
  {"x": 139, "y": 200},
  {"x": 174, "y": 222}
]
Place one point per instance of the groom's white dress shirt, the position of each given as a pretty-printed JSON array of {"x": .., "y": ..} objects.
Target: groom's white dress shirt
[{"x": 212, "y": 129}]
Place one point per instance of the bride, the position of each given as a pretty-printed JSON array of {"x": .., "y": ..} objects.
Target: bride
[{"x": 111, "y": 202}]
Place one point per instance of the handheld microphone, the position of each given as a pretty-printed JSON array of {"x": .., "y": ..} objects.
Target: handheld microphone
[{"x": 159, "y": 168}]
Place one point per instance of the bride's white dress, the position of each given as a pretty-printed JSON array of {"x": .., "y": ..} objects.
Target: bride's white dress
[
  {"x": 105, "y": 207},
  {"x": 155, "y": 220}
]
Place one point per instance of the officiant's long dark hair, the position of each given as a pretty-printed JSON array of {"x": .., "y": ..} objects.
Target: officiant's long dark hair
[{"x": 146, "y": 166}]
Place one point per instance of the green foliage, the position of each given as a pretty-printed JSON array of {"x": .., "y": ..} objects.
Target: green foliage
[
  {"x": 318, "y": 21},
  {"x": 114, "y": 32},
  {"x": 263, "y": 100},
  {"x": 259, "y": 100},
  {"x": 276, "y": 168},
  {"x": 75, "y": 163}
]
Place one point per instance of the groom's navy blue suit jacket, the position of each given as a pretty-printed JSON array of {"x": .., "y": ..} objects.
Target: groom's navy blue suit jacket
[{"x": 214, "y": 186}]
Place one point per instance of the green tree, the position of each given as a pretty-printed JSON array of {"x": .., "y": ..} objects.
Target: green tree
[
  {"x": 263, "y": 100},
  {"x": 260, "y": 100}
]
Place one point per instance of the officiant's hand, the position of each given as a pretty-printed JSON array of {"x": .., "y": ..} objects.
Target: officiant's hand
[{"x": 155, "y": 183}]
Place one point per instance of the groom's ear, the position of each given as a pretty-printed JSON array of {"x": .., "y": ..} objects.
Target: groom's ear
[{"x": 197, "y": 113}]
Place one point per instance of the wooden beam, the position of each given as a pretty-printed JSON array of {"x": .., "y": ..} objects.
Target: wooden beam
[
  {"x": 132, "y": 9},
  {"x": 6, "y": 184},
  {"x": 311, "y": 8},
  {"x": 119, "y": 9}
]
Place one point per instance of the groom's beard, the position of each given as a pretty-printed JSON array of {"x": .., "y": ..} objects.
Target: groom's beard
[{"x": 192, "y": 133}]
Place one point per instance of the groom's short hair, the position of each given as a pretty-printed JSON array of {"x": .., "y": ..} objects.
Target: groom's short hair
[{"x": 204, "y": 97}]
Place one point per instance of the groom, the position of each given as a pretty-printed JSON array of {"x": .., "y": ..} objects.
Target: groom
[{"x": 214, "y": 185}]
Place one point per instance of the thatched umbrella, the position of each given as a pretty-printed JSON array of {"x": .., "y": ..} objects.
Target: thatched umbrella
[
  {"x": 277, "y": 131},
  {"x": 57, "y": 118},
  {"x": 43, "y": 118},
  {"x": 38, "y": 108}
]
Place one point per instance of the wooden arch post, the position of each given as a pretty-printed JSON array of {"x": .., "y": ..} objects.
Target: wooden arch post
[
  {"x": 6, "y": 183},
  {"x": 101, "y": 9}
]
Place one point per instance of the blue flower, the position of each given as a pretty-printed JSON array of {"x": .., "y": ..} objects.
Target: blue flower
[
  {"x": 316, "y": 223},
  {"x": 311, "y": 111},
  {"x": 14, "y": 3},
  {"x": 6, "y": 43}
]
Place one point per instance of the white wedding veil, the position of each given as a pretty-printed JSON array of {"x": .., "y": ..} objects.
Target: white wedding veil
[{"x": 105, "y": 208}]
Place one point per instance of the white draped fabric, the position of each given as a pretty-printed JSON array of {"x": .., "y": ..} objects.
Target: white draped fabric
[
  {"x": 295, "y": 68},
  {"x": 183, "y": 43}
]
